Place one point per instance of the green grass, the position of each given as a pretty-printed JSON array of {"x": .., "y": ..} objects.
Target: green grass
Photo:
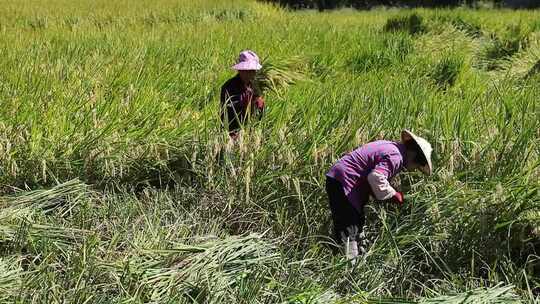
[{"x": 118, "y": 186}]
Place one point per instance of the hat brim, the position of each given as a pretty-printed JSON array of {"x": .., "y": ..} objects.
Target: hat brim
[
  {"x": 247, "y": 66},
  {"x": 407, "y": 135}
]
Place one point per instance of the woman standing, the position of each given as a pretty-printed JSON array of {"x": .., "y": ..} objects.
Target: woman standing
[{"x": 240, "y": 99}]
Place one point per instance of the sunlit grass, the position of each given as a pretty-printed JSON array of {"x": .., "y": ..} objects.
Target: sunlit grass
[{"x": 119, "y": 186}]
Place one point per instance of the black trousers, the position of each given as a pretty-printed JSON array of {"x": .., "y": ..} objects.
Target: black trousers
[{"x": 344, "y": 215}]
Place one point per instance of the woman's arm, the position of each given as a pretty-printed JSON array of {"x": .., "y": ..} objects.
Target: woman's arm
[{"x": 382, "y": 190}]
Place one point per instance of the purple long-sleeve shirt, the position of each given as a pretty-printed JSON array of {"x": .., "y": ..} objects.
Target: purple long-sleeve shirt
[{"x": 352, "y": 170}]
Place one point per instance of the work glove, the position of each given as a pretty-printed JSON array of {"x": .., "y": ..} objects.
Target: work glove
[
  {"x": 398, "y": 198},
  {"x": 259, "y": 103}
]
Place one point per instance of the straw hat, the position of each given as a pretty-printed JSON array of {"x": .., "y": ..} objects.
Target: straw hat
[
  {"x": 247, "y": 61},
  {"x": 424, "y": 145}
]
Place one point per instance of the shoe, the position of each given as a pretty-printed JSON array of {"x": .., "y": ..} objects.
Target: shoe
[{"x": 350, "y": 244}]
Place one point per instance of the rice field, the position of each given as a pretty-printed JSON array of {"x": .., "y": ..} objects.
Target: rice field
[{"x": 118, "y": 185}]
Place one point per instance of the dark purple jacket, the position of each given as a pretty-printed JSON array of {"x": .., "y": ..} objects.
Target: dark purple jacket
[{"x": 238, "y": 102}]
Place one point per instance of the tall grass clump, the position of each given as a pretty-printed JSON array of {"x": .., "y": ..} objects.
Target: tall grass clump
[
  {"x": 388, "y": 53},
  {"x": 501, "y": 46},
  {"x": 280, "y": 74},
  {"x": 524, "y": 65},
  {"x": 446, "y": 71},
  {"x": 471, "y": 27},
  {"x": 412, "y": 24}
]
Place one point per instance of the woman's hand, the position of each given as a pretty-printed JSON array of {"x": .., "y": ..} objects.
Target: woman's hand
[
  {"x": 398, "y": 198},
  {"x": 259, "y": 103}
]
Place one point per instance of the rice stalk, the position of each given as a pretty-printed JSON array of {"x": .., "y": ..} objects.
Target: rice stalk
[
  {"x": 215, "y": 264},
  {"x": 493, "y": 295},
  {"x": 10, "y": 278},
  {"x": 280, "y": 74},
  {"x": 525, "y": 64}
]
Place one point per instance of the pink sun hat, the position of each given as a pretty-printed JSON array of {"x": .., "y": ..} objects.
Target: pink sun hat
[{"x": 247, "y": 60}]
